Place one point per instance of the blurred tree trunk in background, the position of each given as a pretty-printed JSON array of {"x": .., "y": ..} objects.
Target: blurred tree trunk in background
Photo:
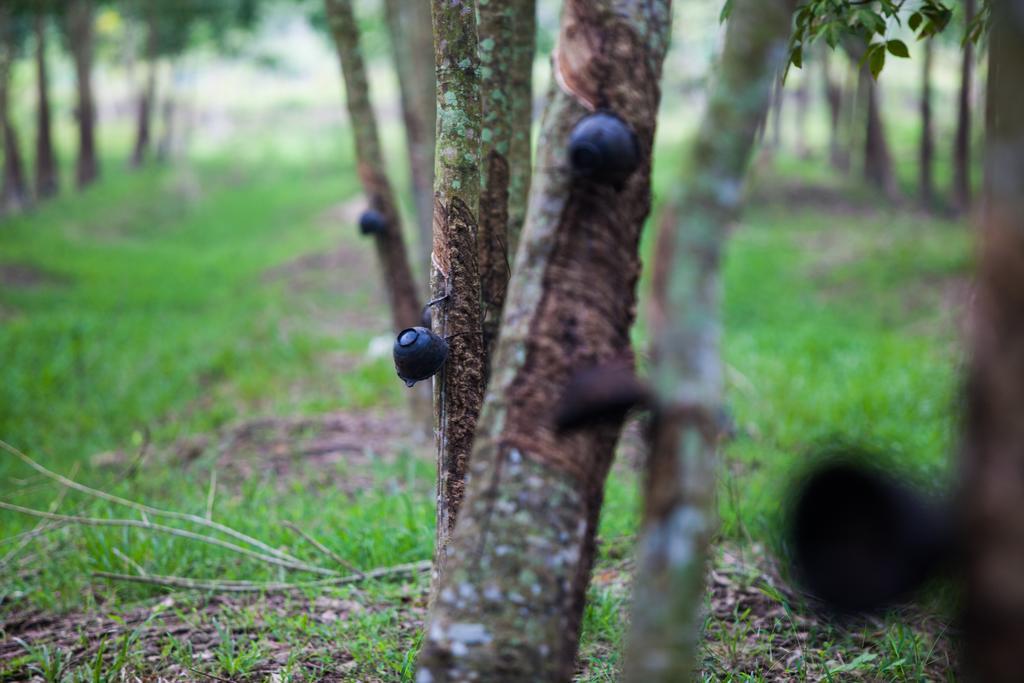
[
  {"x": 927, "y": 149},
  {"x": 838, "y": 155},
  {"x": 14, "y": 191},
  {"x": 510, "y": 604},
  {"x": 778, "y": 95},
  {"x": 685, "y": 323},
  {"x": 877, "y": 169},
  {"x": 168, "y": 112},
  {"x": 801, "y": 97},
  {"x": 459, "y": 387},
  {"x": 993, "y": 466},
  {"x": 80, "y": 41},
  {"x": 147, "y": 95},
  {"x": 412, "y": 45},
  {"x": 394, "y": 262},
  {"x": 962, "y": 141},
  {"x": 47, "y": 173},
  {"x": 507, "y": 34}
]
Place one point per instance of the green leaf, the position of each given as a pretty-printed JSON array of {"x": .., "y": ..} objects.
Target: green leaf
[
  {"x": 897, "y": 48},
  {"x": 797, "y": 56},
  {"x": 877, "y": 61},
  {"x": 915, "y": 21},
  {"x": 726, "y": 11}
]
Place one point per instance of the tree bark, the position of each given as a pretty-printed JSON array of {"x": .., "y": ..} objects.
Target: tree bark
[
  {"x": 413, "y": 49},
  {"x": 993, "y": 456},
  {"x": 837, "y": 156},
  {"x": 147, "y": 98},
  {"x": 47, "y": 174},
  {"x": 507, "y": 34},
  {"x": 686, "y": 355},
  {"x": 962, "y": 141},
  {"x": 14, "y": 190},
  {"x": 511, "y": 602},
  {"x": 397, "y": 275},
  {"x": 927, "y": 151},
  {"x": 459, "y": 387},
  {"x": 802, "y": 97},
  {"x": 80, "y": 38},
  {"x": 877, "y": 168}
]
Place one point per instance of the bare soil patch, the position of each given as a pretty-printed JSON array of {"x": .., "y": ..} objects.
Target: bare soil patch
[{"x": 26, "y": 275}]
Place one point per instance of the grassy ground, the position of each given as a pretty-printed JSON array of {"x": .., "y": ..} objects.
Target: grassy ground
[{"x": 205, "y": 338}]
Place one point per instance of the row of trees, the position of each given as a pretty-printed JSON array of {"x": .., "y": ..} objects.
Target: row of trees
[
  {"x": 850, "y": 88},
  {"x": 527, "y": 412},
  {"x": 155, "y": 32}
]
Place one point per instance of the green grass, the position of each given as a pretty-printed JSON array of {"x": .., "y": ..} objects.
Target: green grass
[{"x": 154, "y": 318}]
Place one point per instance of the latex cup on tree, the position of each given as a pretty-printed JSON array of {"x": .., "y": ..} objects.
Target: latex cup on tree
[
  {"x": 419, "y": 354},
  {"x": 372, "y": 222},
  {"x": 604, "y": 149}
]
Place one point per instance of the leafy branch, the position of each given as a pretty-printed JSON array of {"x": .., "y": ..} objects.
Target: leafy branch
[{"x": 870, "y": 20}]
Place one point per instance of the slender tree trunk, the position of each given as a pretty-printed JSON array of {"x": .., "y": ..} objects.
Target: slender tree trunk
[
  {"x": 14, "y": 190},
  {"x": 778, "y": 98},
  {"x": 147, "y": 98},
  {"x": 507, "y": 34},
  {"x": 993, "y": 467},
  {"x": 459, "y": 387},
  {"x": 168, "y": 112},
  {"x": 834, "y": 99},
  {"x": 511, "y": 601},
  {"x": 801, "y": 97},
  {"x": 877, "y": 168},
  {"x": 47, "y": 174},
  {"x": 962, "y": 140},
  {"x": 413, "y": 48},
  {"x": 80, "y": 35},
  {"x": 679, "y": 514},
  {"x": 927, "y": 152},
  {"x": 401, "y": 290}
]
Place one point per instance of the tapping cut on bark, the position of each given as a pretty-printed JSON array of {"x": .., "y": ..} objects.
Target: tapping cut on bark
[
  {"x": 686, "y": 356},
  {"x": 510, "y": 602},
  {"x": 390, "y": 244}
]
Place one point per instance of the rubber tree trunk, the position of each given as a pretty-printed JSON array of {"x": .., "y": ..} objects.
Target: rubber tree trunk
[
  {"x": 14, "y": 190},
  {"x": 962, "y": 140},
  {"x": 147, "y": 98},
  {"x": 507, "y": 34},
  {"x": 47, "y": 173},
  {"x": 459, "y": 387},
  {"x": 838, "y": 155},
  {"x": 511, "y": 601},
  {"x": 412, "y": 45},
  {"x": 391, "y": 252},
  {"x": 877, "y": 168},
  {"x": 168, "y": 113},
  {"x": 80, "y": 15},
  {"x": 927, "y": 149},
  {"x": 993, "y": 466},
  {"x": 686, "y": 367},
  {"x": 801, "y": 98}
]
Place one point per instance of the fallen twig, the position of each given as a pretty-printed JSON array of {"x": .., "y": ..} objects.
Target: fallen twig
[
  {"x": 322, "y": 548},
  {"x": 173, "y": 531},
  {"x": 37, "y": 529},
  {"x": 268, "y": 586},
  {"x": 170, "y": 514}
]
